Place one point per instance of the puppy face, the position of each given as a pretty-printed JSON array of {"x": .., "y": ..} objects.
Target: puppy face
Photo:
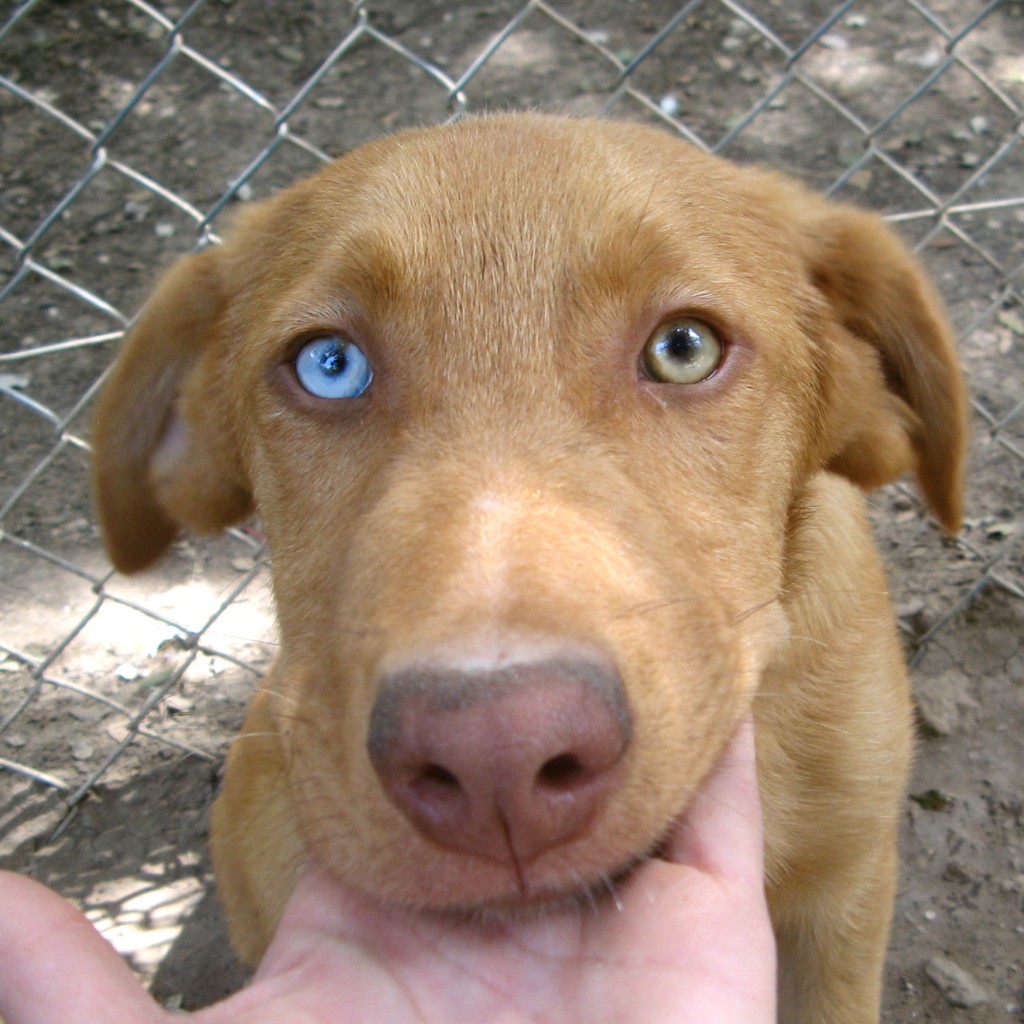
[{"x": 510, "y": 396}]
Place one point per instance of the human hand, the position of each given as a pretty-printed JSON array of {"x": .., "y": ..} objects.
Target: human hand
[{"x": 687, "y": 938}]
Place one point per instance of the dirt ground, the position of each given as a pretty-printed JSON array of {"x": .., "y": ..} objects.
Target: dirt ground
[{"x": 185, "y": 644}]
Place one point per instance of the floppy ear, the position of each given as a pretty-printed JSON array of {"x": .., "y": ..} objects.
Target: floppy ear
[
  {"x": 163, "y": 456},
  {"x": 897, "y": 395}
]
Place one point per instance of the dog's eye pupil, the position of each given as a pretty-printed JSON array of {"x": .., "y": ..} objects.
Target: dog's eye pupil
[
  {"x": 333, "y": 361},
  {"x": 333, "y": 367},
  {"x": 684, "y": 351},
  {"x": 682, "y": 343}
]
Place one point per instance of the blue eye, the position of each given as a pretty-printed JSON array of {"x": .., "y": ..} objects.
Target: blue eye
[{"x": 333, "y": 367}]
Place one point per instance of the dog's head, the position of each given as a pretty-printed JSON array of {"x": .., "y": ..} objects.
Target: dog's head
[{"x": 525, "y": 406}]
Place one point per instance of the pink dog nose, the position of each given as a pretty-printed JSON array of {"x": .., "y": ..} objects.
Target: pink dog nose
[{"x": 503, "y": 764}]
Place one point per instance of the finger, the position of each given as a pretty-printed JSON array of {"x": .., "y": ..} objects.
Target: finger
[
  {"x": 721, "y": 832},
  {"x": 55, "y": 968}
]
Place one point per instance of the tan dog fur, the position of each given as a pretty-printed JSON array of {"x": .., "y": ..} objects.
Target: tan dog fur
[{"x": 512, "y": 484}]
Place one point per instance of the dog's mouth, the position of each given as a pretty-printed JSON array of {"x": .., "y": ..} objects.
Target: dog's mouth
[
  {"x": 529, "y": 894},
  {"x": 528, "y": 903}
]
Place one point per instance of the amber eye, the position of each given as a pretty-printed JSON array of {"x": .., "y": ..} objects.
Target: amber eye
[{"x": 683, "y": 351}]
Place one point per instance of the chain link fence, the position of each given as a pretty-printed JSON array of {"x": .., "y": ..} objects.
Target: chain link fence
[{"x": 128, "y": 131}]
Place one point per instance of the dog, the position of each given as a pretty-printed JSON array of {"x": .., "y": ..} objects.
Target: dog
[{"x": 557, "y": 430}]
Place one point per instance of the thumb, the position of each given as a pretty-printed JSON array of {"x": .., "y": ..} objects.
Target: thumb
[
  {"x": 55, "y": 968},
  {"x": 721, "y": 832}
]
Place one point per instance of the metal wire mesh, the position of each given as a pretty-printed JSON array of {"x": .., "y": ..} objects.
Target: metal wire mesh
[{"x": 129, "y": 130}]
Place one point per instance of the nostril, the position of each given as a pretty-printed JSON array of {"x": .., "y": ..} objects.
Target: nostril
[
  {"x": 437, "y": 776},
  {"x": 434, "y": 797},
  {"x": 563, "y": 772}
]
